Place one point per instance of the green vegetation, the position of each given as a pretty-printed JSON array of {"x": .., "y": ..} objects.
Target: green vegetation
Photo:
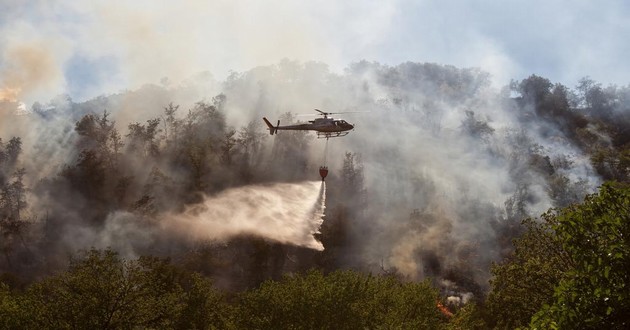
[
  {"x": 340, "y": 300},
  {"x": 595, "y": 293},
  {"x": 100, "y": 290},
  {"x": 569, "y": 271},
  {"x": 526, "y": 280}
]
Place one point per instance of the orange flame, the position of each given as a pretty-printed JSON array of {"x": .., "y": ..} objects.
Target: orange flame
[{"x": 444, "y": 310}]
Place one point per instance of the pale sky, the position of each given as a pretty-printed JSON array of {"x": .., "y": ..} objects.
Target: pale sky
[{"x": 88, "y": 48}]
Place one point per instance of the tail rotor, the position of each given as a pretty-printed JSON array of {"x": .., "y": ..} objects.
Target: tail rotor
[{"x": 272, "y": 130}]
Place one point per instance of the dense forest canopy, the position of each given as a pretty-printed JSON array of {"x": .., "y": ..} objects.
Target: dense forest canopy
[{"x": 428, "y": 191}]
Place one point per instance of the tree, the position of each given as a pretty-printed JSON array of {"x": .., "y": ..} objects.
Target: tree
[
  {"x": 204, "y": 307},
  {"x": 12, "y": 312},
  {"x": 534, "y": 89},
  {"x": 13, "y": 197},
  {"x": 143, "y": 138},
  {"x": 9, "y": 154},
  {"x": 469, "y": 317},
  {"x": 227, "y": 147},
  {"x": 13, "y": 223},
  {"x": 103, "y": 291},
  {"x": 100, "y": 290},
  {"x": 290, "y": 150},
  {"x": 352, "y": 175},
  {"x": 13, "y": 150},
  {"x": 340, "y": 300},
  {"x": 157, "y": 194},
  {"x": 526, "y": 280},
  {"x": 99, "y": 136},
  {"x": 477, "y": 128},
  {"x": 199, "y": 146},
  {"x": 172, "y": 125},
  {"x": 249, "y": 142},
  {"x": 596, "y": 235},
  {"x": 612, "y": 164},
  {"x": 598, "y": 102},
  {"x": 88, "y": 175}
]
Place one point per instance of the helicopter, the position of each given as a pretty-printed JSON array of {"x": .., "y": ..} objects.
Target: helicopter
[{"x": 325, "y": 127}]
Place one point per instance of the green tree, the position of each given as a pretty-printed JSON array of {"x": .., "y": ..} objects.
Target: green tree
[
  {"x": 103, "y": 291},
  {"x": 526, "y": 280},
  {"x": 595, "y": 294},
  {"x": 204, "y": 307},
  {"x": 340, "y": 300},
  {"x": 534, "y": 89},
  {"x": 13, "y": 315},
  {"x": 469, "y": 317}
]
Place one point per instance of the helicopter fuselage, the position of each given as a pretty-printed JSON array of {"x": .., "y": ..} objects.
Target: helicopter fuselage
[{"x": 325, "y": 127}]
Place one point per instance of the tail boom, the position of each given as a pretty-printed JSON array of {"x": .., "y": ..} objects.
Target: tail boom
[{"x": 272, "y": 130}]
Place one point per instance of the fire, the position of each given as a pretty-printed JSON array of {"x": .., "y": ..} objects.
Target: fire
[
  {"x": 9, "y": 94},
  {"x": 444, "y": 310}
]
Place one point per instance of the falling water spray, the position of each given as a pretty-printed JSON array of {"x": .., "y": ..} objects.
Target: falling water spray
[{"x": 289, "y": 213}]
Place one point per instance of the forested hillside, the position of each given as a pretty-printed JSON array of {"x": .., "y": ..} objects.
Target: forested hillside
[{"x": 121, "y": 211}]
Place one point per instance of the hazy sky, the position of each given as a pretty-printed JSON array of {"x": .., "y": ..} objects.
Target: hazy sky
[{"x": 87, "y": 48}]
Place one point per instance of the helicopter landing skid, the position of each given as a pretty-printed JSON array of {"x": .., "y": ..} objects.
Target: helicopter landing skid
[{"x": 326, "y": 135}]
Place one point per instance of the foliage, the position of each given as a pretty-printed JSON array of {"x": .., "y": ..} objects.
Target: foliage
[
  {"x": 596, "y": 235},
  {"x": 526, "y": 279},
  {"x": 12, "y": 315},
  {"x": 103, "y": 291},
  {"x": 468, "y": 317},
  {"x": 143, "y": 138},
  {"x": 568, "y": 270},
  {"x": 204, "y": 307},
  {"x": 340, "y": 300}
]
